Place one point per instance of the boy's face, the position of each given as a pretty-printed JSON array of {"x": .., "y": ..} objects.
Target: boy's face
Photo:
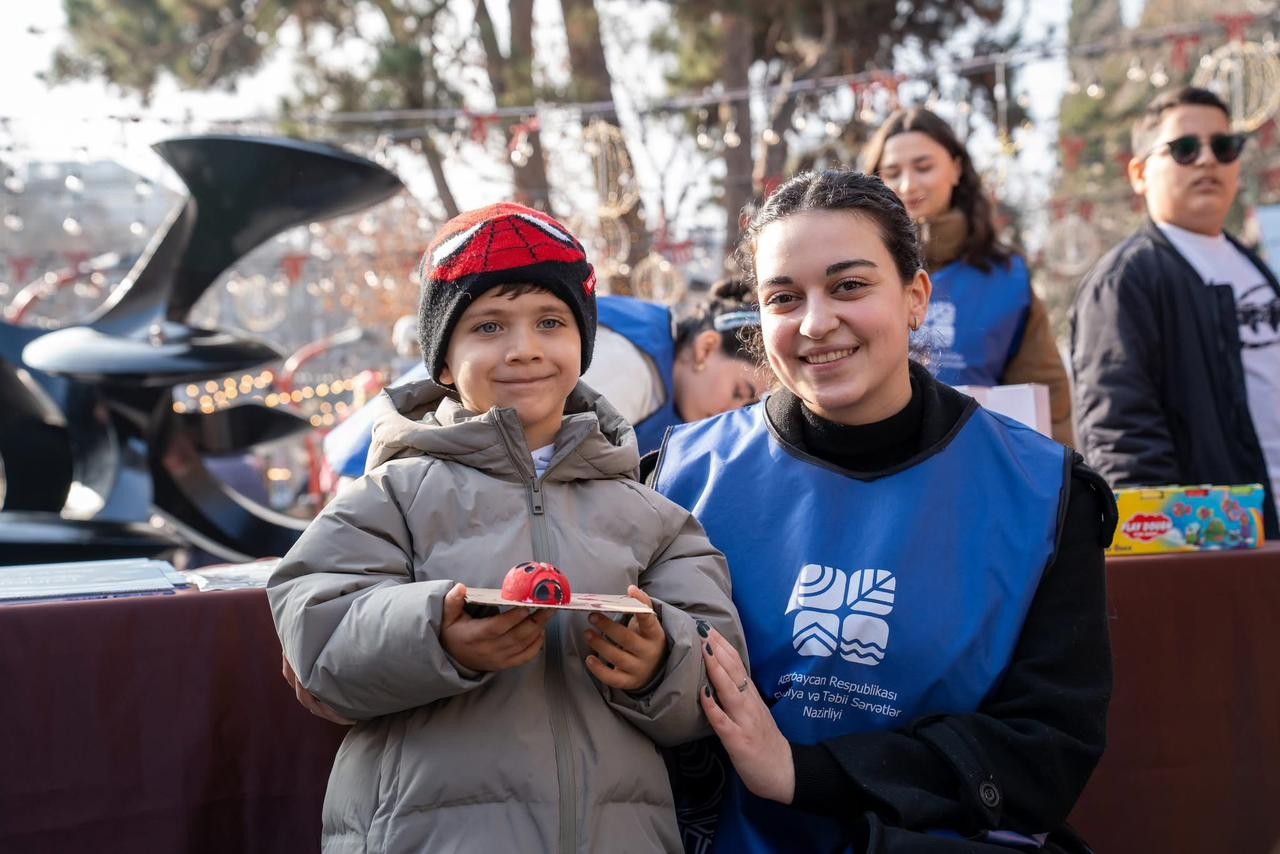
[
  {"x": 522, "y": 352},
  {"x": 1196, "y": 196}
]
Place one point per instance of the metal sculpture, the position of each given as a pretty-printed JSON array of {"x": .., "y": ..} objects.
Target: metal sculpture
[{"x": 90, "y": 406}]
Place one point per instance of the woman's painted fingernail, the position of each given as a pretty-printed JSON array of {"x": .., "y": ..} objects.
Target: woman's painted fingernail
[
  {"x": 706, "y": 689},
  {"x": 708, "y": 646},
  {"x": 703, "y": 628}
]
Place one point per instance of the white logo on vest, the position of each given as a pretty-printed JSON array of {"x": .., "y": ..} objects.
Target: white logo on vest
[
  {"x": 935, "y": 338},
  {"x": 821, "y": 596},
  {"x": 939, "y": 329}
]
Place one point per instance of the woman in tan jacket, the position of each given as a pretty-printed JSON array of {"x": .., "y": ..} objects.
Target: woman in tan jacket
[{"x": 986, "y": 326}]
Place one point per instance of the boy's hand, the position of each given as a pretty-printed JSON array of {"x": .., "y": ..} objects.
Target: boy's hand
[
  {"x": 490, "y": 644},
  {"x": 635, "y": 651},
  {"x": 307, "y": 699}
]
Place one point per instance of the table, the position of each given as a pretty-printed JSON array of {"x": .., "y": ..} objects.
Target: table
[
  {"x": 155, "y": 725},
  {"x": 161, "y": 724},
  {"x": 1193, "y": 753}
]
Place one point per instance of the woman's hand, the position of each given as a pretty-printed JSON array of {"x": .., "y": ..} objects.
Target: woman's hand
[
  {"x": 760, "y": 752},
  {"x": 307, "y": 699},
  {"x": 627, "y": 657},
  {"x": 490, "y": 644}
]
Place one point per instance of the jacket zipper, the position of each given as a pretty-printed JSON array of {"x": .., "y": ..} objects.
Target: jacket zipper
[{"x": 554, "y": 681}]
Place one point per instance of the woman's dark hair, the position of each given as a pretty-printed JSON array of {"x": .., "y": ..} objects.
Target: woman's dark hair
[
  {"x": 730, "y": 310},
  {"x": 837, "y": 190},
  {"x": 981, "y": 247}
]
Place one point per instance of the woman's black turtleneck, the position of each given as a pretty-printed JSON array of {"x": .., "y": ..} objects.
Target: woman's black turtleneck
[
  {"x": 871, "y": 448},
  {"x": 1039, "y": 734}
]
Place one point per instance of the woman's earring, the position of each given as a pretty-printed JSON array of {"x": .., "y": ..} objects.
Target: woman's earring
[
  {"x": 698, "y": 366},
  {"x": 914, "y": 324}
]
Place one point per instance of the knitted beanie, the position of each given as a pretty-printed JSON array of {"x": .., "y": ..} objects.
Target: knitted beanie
[{"x": 503, "y": 244}]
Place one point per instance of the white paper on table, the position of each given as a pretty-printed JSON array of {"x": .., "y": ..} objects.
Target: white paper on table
[{"x": 1025, "y": 402}]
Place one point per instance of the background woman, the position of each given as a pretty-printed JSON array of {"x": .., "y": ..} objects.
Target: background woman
[
  {"x": 659, "y": 372},
  {"x": 986, "y": 325},
  {"x": 922, "y": 591}
]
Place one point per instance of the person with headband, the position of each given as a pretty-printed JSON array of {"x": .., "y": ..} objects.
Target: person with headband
[
  {"x": 659, "y": 371},
  {"x": 656, "y": 370},
  {"x": 986, "y": 325},
  {"x": 920, "y": 580}
]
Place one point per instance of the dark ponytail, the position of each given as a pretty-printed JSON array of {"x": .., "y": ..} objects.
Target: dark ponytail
[{"x": 730, "y": 310}]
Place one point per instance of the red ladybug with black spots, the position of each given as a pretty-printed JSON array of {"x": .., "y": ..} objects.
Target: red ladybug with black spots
[{"x": 536, "y": 583}]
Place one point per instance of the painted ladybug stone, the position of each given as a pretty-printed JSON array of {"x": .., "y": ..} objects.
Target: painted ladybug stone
[{"x": 536, "y": 583}]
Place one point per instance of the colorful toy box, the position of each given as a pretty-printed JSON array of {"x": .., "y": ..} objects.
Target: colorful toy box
[{"x": 1161, "y": 519}]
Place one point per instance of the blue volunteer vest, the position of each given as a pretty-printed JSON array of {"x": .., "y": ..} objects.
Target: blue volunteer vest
[
  {"x": 975, "y": 321},
  {"x": 867, "y": 604},
  {"x": 648, "y": 326}
]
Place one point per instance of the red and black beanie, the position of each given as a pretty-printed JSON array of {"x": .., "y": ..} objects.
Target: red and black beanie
[{"x": 503, "y": 244}]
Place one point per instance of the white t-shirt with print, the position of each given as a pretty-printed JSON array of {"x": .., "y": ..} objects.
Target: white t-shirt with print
[{"x": 1219, "y": 262}]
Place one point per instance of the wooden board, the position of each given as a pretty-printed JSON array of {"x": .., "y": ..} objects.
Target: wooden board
[{"x": 608, "y": 602}]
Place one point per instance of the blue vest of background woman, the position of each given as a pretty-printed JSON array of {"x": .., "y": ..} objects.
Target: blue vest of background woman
[
  {"x": 975, "y": 321},
  {"x": 650, "y": 328}
]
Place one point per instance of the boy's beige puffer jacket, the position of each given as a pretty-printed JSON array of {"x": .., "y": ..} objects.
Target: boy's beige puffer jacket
[{"x": 536, "y": 758}]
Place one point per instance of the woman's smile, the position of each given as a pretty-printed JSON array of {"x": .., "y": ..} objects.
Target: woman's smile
[{"x": 828, "y": 357}]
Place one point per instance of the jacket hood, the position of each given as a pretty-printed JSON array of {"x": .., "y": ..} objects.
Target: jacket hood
[{"x": 594, "y": 440}]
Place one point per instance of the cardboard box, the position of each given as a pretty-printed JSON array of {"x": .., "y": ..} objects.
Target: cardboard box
[
  {"x": 1162, "y": 519},
  {"x": 1026, "y": 402}
]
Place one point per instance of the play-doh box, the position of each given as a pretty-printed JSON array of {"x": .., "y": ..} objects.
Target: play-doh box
[{"x": 1163, "y": 519}]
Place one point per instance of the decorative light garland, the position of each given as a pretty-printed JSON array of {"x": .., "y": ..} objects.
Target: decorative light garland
[{"x": 1182, "y": 36}]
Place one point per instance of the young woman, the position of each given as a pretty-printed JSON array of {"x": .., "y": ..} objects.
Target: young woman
[
  {"x": 920, "y": 580},
  {"x": 655, "y": 370},
  {"x": 986, "y": 326}
]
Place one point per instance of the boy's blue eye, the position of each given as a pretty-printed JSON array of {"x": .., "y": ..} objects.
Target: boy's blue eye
[
  {"x": 552, "y": 322},
  {"x": 487, "y": 328}
]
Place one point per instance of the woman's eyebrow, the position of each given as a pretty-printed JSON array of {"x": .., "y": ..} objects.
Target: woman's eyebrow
[
  {"x": 841, "y": 266},
  {"x": 837, "y": 267}
]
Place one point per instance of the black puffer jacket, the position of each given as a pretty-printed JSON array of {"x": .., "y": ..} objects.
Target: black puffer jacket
[{"x": 1159, "y": 383}]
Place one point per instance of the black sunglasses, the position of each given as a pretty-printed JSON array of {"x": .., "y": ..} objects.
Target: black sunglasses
[{"x": 1185, "y": 150}]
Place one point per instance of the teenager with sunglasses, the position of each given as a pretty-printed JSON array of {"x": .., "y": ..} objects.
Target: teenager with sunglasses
[{"x": 1175, "y": 333}]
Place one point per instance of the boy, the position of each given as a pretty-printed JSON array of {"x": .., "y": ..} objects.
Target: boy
[
  {"x": 1175, "y": 333},
  {"x": 530, "y": 732}
]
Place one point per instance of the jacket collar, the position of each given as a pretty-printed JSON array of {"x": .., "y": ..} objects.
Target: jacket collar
[
  {"x": 1156, "y": 235},
  {"x": 594, "y": 439}
]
